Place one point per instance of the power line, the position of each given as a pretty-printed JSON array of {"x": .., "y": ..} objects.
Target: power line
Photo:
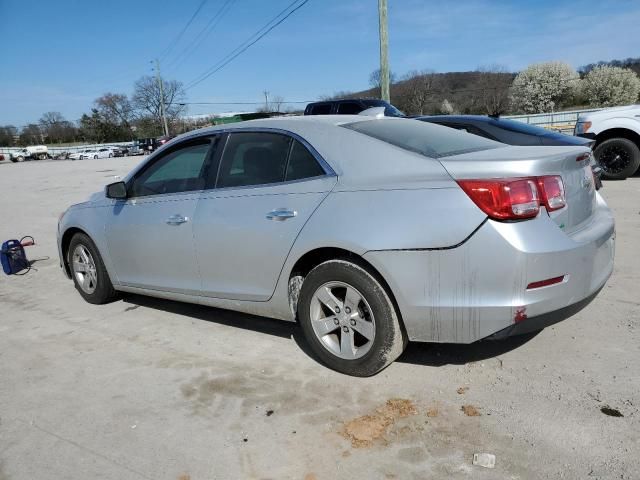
[
  {"x": 247, "y": 44},
  {"x": 204, "y": 33},
  {"x": 177, "y": 39}
]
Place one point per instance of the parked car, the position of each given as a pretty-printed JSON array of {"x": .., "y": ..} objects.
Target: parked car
[
  {"x": 1, "y": 157},
  {"x": 369, "y": 232},
  {"x": 120, "y": 151},
  {"x": 512, "y": 132},
  {"x": 104, "y": 152},
  {"x": 82, "y": 154},
  {"x": 616, "y": 132},
  {"x": 35, "y": 152},
  {"x": 350, "y": 107}
]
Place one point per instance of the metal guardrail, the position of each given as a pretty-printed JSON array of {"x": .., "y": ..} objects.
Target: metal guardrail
[{"x": 563, "y": 121}]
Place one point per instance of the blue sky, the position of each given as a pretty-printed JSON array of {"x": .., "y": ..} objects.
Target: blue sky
[{"x": 87, "y": 48}]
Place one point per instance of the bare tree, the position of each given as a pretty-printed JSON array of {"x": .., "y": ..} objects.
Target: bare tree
[
  {"x": 276, "y": 103},
  {"x": 494, "y": 83},
  {"x": 30, "y": 135},
  {"x": 56, "y": 128},
  {"x": 7, "y": 135},
  {"x": 418, "y": 92},
  {"x": 375, "y": 81},
  {"x": 148, "y": 99},
  {"x": 115, "y": 108}
]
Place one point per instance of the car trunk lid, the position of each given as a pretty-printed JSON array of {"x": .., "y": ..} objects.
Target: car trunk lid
[{"x": 571, "y": 163}]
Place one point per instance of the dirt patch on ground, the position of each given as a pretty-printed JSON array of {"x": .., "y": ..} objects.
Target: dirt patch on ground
[
  {"x": 462, "y": 390},
  {"x": 432, "y": 412},
  {"x": 365, "y": 430},
  {"x": 470, "y": 411}
]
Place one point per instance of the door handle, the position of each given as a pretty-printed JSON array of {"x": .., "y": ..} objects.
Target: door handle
[
  {"x": 177, "y": 220},
  {"x": 281, "y": 214}
]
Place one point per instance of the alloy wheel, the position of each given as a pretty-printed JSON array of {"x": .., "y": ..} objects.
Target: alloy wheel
[
  {"x": 614, "y": 159},
  {"x": 84, "y": 269},
  {"x": 342, "y": 320}
]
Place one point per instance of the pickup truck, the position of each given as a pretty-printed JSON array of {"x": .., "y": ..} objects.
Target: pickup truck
[{"x": 617, "y": 134}]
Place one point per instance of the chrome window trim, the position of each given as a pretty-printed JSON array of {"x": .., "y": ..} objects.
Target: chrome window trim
[
  {"x": 323, "y": 163},
  {"x": 329, "y": 172}
]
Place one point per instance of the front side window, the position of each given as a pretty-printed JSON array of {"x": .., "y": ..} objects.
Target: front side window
[
  {"x": 253, "y": 158},
  {"x": 181, "y": 170}
]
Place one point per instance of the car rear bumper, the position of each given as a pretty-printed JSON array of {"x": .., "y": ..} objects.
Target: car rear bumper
[{"x": 474, "y": 290}]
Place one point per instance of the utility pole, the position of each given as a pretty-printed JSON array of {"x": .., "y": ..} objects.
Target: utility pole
[
  {"x": 266, "y": 101},
  {"x": 384, "y": 51},
  {"x": 161, "y": 86}
]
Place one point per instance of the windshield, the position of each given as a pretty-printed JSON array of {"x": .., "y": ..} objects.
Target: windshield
[{"x": 427, "y": 139}]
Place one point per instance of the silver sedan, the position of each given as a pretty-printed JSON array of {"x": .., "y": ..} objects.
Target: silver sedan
[{"x": 370, "y": 232}]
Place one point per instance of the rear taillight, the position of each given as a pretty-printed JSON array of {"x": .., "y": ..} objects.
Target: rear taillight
[
  {"x": 552, "y": 192},
  {"x": 504, "y": 199},
  {"x": 515, "y": 198}
]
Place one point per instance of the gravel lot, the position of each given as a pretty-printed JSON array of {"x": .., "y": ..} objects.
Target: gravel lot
[{"x": 151, "y": 389}]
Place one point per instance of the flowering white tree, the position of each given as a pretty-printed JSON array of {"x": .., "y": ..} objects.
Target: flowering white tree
[
  {"x": 542, "y": 87},
  {"x": 446, "y": 108},
  {"x": 606, "y": 86}
]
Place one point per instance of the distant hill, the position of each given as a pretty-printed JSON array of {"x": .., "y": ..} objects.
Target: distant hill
[
  {"x": 632, "y": 63},
  {"x": 421, "y": 93}
]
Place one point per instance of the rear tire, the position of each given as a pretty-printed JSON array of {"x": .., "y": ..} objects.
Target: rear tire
[
  {"x": 359, "y": 335},
  {"x": 89, "y": 274},
  {"x": 618, "y": 157}
]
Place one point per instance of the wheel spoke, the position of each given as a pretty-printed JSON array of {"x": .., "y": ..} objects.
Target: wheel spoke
[
  {"x": 86, "y": 282},
  {"x": 352, "y": 299},
  {"x": 327, "y": 298},
  {"x": 84, "y": 255},
  {"x": 79, "y": 266},
  {"x": 347, "y": 347},
  {"x": 364, "y": 328},
  {"x": 325, "y": 326}
]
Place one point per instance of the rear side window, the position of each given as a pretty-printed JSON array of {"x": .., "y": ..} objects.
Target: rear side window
[
  {"x": 428, "y": 139},
  {"x": 302, "y": 164},
  {"x": 253, "y": 159},
  {"x": 349, "y": 108},
  {"x": 321, "y": 109}
]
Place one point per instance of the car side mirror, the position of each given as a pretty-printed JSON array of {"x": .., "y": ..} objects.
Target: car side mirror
[{"x": 117, "y": 190}]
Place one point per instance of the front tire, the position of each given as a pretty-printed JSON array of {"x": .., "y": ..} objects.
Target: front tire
[
  {"x": 89, "y": 275},
  {"x": 618, "y": 157},
  {"x": 349, "y": 320},
  {"x": 19, "y": 158}
]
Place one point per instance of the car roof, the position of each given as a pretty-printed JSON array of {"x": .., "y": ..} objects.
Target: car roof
[{"x": 357, "y": 158}]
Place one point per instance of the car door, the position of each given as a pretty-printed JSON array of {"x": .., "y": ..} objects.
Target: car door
[
  {"x": 268, "y": 185},
  {"x": 150, "y": 234}
]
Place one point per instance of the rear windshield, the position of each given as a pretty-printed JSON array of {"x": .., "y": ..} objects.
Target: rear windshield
[
  {"x": 428, "y": 139},
  {"x": 518, "y": 127}
]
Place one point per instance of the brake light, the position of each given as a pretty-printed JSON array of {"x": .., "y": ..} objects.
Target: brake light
[
  {"x": 516, "y": 198},
  {"x": 552, "y": 192},
  {"x": 504, "y": 199},
  {"x": 583, "y": 156}
]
